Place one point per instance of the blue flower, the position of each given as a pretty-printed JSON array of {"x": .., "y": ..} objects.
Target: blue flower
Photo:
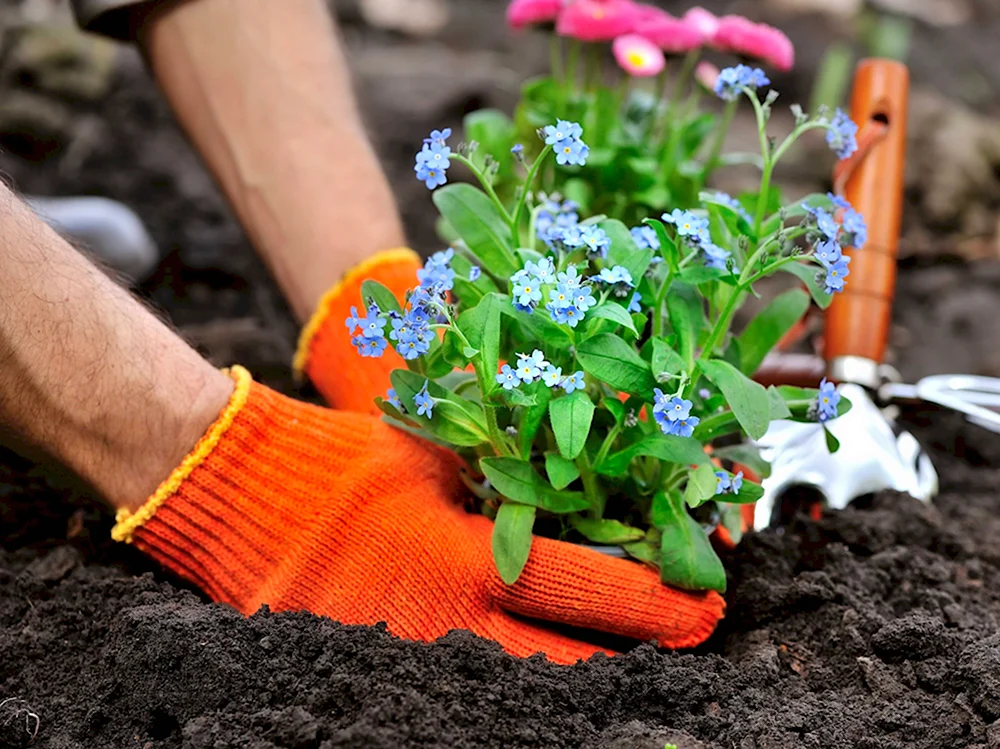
[
  {"x": 438, "y": 137},
  {"x": 551, "y": 376},
  {"x": 436, "y": 156},
  {"x": 617, "y": 274},
  {"x": 835, "y": 275},
  {"x": 675, "y": 409},
  {"x": 728, "y": 200},
  {"x": 827, "y": 225},
  {"x": 732, "y": 81},
  {"x": 530, "y": 366},
  {"x": 431, "y": 177},
  {"x": 527, "y": 290},
  {"x": 415, "y": 346},
  {"x": 686, "y": 223},
  {"x": 393, "y": 399},
  {"x": 596, "y": 240},
  {"x": 583, "y": 298},
  {"x": 570, "y": 277},
  {"x": 562, "y": 130},
  {"x": 544, "y": 270},
  {"x": 561, "y": 296},
  {"x": 424, "y": 402},
  {"x": 437, "y": 275},
  {"x": 828, "y": 253},
  {"x": 507, "y": 378},
  {"x": 841, "y": 135},
  {"x": 679, "y": 428},
  {"x": 353, "y": 321},
  {"x": 855, "y": 228},
  {"x": 837, "y": 201},
  {"x": 827, "y": 401},
  {"x": 571, "y": 152},
  {"x": 645, "y": 237},
  {"x": 370, "y": 347},
  {"x": 573, "y": 382},
  {"x": 633, "y": 305},
  {"x": 475, "y": 272},
  {"x": 517, "y": 149},
  {"x": 567, "y": 315},
  {"x": 373, "y": 326},
  {"x": 715, "y": 256},
  {"x": 723, "y": 482},
  {"x": 727, "y": 483}
]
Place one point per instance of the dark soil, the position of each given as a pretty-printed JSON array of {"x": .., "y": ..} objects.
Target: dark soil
[{"x": 873, "y": 627}]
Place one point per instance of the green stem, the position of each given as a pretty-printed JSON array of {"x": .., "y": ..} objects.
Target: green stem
[
  {"x": 555, "y": 59},
  {"x": 661, "y": 297},
  {"x": 606, "y": 445},
  {"x": 591, "y": 488},
  {"x": 572, "y": 63},
  {"x": 487, "y": 185},
  {"x": 515, "y": 222}
]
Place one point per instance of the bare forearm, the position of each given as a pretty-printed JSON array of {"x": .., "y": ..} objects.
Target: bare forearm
[
  {"x": 87, "y": 375},
  {"x": 263, "y": 90}
]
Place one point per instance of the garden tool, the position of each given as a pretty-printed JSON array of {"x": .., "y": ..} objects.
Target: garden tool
[
  {"x": 110, "y": 230},
  {"x": 874, "y": 452}
]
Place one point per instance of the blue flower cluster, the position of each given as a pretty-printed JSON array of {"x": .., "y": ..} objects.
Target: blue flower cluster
[
  {"x": 673, "y": 414},
  {"x": 532, "y": 367},
  {"x": 571, "y": 299},
  {"x": 566, "y": 139},
  {"x": 831, "y": 237},
  {"x": 371, "y": 341},
  {"x": 424, "y": 402},
  {"x": 732, "y": 81},
  {"x": 694, "y": 230},
  {"x": 645, "y": 237},
  {"x": 827, "y": 401},
  {"x": 841, "y": 136},
  {"x": 555, "y": 219},
  {"x": 726, "y": 483},
  {"x": 434, "y": 159}
]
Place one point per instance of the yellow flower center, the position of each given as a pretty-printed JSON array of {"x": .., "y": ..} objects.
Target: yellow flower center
[{"x": 635, "y": 57}]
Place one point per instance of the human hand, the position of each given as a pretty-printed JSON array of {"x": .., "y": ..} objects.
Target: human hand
[{"x": 304, "y": 508}]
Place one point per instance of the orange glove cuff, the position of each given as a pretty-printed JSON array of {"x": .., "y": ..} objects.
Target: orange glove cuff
[{"x": 325, "y": 352}]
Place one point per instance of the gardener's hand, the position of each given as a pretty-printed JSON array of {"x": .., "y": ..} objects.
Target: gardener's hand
[{"x": 299, "y": 507}]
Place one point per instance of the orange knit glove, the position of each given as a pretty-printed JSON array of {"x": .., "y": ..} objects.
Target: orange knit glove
[
  {"x": 326, "y": 354},
  {"x": 301, "y": 507}
]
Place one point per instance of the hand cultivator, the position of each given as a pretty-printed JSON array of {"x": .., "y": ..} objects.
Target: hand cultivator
[{"x": 875, "y": 452}]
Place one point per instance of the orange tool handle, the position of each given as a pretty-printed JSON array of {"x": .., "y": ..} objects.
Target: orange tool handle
[{"x": 858, "y": 320}]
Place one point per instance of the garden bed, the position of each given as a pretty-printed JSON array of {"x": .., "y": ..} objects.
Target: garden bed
[{"x": 872, "y": 627}]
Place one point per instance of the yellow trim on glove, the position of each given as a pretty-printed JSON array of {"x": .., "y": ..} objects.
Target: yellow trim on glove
[
  {"x": 128, "y": 522},
  {"x": 358, "y": 272}
]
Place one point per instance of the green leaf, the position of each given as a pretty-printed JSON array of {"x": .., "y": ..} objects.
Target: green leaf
[
  {"x": 749, "y": 493},
  {"x": 732, "y": 521},
  {"x": 698, "y": 274},
  {"x": 616, "y": 313},
  {"x": 494, "y": 131},
  {"x": 778, "y": 409},
  {"x": 516, "y": 397},
  {"x": 532, "y": 418},
  {"x": 517, "y": 480},
  {"x": 571, "y": 417},
  {"x": 687, "y": 559},
  {"x": 684, "y": 309},
  {"x": 376, "y": 292},
  {"x": 616, "y": 407},
  {"x": 455, "y": 420},
  {"x": 668, "y": 247},
  {"x": 512, "y": 539},
  {"x": 701, "y": 485},
  {"x": 770, "y": 326},
  {"x": 469, "y": 292},
  {"x": 605, "y": 531},
  {"x": 561, "y": 472},
  {"x": 611, "y": 360},
  {"x": 747, "y": 399},
  {"x": 746, "y": 455},
  {"x": 808, "y": 274},
  {"x": 537, "y": 326},
  {"x": 480, "y": 225},
  {"x": 832, "y": 443},
  {"x": 668, "y": 448},
  {"x": 665, "y": 359},
  {"x": 481, "y": 326}
]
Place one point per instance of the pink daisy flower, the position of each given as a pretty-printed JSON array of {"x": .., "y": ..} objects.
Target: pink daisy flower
[
  {"x": 638, "y": 56},
  {"x": 521, "y": 13},
  {"x": 743, "y": 37},
  {"x": 597, "y": 20}
]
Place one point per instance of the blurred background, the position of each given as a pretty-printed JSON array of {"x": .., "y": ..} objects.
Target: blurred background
[{"x": 79, "y": 115}]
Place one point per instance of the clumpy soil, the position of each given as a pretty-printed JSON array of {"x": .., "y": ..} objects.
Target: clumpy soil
[{"x": 876, "y": 627}]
